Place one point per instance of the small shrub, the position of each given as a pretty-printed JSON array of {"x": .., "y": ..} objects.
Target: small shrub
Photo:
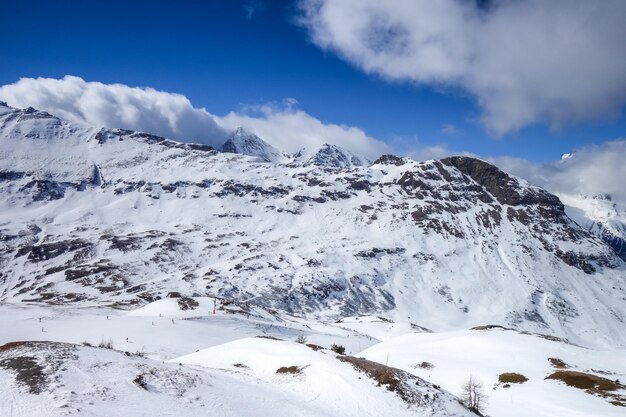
[
  {"x": 86, "y": 343},
  {"x": 140, "y": 382},
  {"x": 423, "y": 365},
  {"x": 241, "y": 365},
  {"x": 187, "y": 303},
  {"x": 338, "y": 349},
  {"x": 301, "y": 339},
  {"x": 512, "y": 378},
  {"x": 106, "y": 344}
]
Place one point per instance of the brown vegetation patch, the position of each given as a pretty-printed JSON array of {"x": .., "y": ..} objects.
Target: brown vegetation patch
[
  {"x": 558, "y": 363},
  {"x": 12, "y": 345},
  {"x": 592, "y": 384},
  {"x": 395, "y": 380},
  {"x": 382, "y": 374},
  {"x": 512, "y": 378},
  {"x": 268, "y": 337},
  {"x": 314, "y": 346},
  {"x": 294, "y": 370}
]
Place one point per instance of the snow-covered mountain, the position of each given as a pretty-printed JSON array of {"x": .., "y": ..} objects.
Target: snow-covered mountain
[
  {"x": 243, "y": 142},
  {"x": 108, "y": 216}
]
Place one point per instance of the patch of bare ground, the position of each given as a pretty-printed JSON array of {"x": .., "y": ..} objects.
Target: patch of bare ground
[
  {"x": 411, "y": 389},
  {"x": 34, "y": 363}
]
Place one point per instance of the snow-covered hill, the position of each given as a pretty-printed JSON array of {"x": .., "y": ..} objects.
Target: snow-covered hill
[{"x": 111, "y": 217}]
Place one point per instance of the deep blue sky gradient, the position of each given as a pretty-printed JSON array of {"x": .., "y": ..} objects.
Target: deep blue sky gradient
[{"x": 222, "y": 59}]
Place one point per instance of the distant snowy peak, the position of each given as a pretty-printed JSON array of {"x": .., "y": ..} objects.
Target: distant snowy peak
[
  {"x": 600, "y": 216},
  {"x": 330, "y": 156},
  {"x": 246, "y": 143}
]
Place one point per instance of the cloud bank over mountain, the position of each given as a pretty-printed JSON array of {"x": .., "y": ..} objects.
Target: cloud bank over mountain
[
  {"x": 116, "y": 105},
  {"x": 174, "y": 116},
  {"x": 557, "y": 62}
]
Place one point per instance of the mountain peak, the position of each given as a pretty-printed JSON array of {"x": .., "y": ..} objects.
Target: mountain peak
[
  {"x": 330, "y": 156},
  {"x": 244, "y": 142}
]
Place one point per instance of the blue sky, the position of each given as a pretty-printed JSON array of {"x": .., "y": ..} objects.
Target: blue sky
[{"x": 223, "y": 55}]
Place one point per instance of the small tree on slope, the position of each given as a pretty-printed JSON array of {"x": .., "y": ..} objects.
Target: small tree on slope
[{"x": 474, "y": 395}]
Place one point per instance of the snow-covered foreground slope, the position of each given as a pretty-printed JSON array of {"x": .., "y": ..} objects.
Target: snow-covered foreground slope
[
  {"x": 190, "y": 361},
  {"x": 448, "y": 359},
  {"x": 324, "y": 380},
  {"x": 229, "y": 366},
  {"x": 111, "y": 217}
]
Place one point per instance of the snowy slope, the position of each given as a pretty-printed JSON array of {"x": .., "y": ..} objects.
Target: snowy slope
[{"x": 111, "y": 217}]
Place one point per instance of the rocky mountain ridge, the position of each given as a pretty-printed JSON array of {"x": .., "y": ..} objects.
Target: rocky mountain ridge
[{"x": 109, "y": 216}]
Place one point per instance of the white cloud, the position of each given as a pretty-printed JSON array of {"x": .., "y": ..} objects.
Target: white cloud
[
  {"x": 252, "y": 7},
  {"x": 424, "y": 153},
  {"x": 449, "y": 130},
  {"x": 525, "y": 61},
  {"x": 591, "y": 170},
  {"x": 173, "y": 116}
]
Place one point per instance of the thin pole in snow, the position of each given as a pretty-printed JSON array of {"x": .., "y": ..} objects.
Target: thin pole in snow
[{"x": 387, "y": 361}]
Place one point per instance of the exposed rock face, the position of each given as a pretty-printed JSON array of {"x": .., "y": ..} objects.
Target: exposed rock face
[
  {"x": 133, "y": 217},
  {"x": 505, "y": 188}
]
